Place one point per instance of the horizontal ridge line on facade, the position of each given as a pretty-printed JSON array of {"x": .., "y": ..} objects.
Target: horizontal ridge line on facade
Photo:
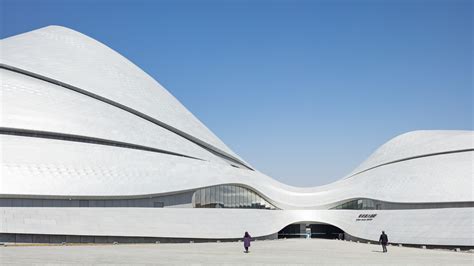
[
  {"x": 210, "y": 148},
  {"x": 411, "y": 158},
  {"x": 85, "y": 139}
]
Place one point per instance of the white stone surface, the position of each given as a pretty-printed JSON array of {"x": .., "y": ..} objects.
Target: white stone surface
[
  {"x": 402, "y": 226},
  {"x": 271, "y": 252}
]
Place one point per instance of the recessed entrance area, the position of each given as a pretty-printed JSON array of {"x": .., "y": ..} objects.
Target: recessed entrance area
[{"x": 311, "y": 230}]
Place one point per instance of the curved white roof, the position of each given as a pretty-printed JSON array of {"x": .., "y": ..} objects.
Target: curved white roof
[
  {"x": 67, "y": 56},
  {"x": 32, "y": 104},
  {"x": 436, "y": 162},
  {"x": 416, "y": 144}
]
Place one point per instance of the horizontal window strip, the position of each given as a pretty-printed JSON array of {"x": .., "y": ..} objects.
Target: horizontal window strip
[
  {"x": 230, "y": 196},
  {"x": 371, "y": 204},
  {"x": 84, "y": 139},
  {"x": 200, "y": 143}
]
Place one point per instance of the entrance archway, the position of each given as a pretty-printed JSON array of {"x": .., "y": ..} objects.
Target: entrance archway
[{"x": 311, "y": 230}]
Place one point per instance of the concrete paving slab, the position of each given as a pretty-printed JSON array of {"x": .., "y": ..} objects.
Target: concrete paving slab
[{"x": 270, "y": 252}]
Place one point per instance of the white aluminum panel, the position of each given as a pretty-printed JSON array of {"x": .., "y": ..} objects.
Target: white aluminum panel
[
  {"x": 70, "y": 168},
  {"x": 73, "y": 58},
  {"x": 407, "y": 226},
  {"x": 29, "y": 103},
  {"x": 418, "y": 143},
  {"x": 40, "y": 166}
]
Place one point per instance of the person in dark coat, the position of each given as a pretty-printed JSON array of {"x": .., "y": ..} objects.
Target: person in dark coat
[
  {"x": 384, "y": 241},
  {"x": 247, "y": 239}
]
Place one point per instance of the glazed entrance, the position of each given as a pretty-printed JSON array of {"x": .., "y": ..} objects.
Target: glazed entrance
[{"x": 311, "y": 230}]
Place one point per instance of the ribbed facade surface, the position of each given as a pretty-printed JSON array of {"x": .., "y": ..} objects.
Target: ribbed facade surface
[{"x": 93, "y": 146}]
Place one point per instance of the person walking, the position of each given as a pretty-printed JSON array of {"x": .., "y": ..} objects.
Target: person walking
[
  {"x": 384, "y": 241},
  {"x": 247, "y": 239}
]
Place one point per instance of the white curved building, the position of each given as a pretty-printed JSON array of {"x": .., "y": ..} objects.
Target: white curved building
[{"x": 94, "y": 150}]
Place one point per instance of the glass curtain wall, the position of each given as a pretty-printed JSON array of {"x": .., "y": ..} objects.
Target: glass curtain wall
[
  {"x": 358, "y": 204},
  {"x": 370, "y": 204},
  {"x": 229, "y": 196}
]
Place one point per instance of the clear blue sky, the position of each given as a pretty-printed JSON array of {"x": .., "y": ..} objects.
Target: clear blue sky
[{"x": 302, "y": 90}]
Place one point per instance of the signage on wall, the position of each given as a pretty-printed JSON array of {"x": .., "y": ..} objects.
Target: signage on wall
[{"x": 365, "y": 217}]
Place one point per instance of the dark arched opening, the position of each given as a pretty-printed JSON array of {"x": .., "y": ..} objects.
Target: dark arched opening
[{"x": 311, "y": 230}]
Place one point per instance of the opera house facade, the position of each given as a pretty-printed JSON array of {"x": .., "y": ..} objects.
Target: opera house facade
[{"x": 95, "y": 150}]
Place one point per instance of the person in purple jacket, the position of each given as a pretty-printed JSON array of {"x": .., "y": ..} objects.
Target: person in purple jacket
[{"x": 247, "y": 239}]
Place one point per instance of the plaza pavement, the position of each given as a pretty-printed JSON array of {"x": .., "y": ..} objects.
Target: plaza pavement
[{"x": 270, "y": 252}]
